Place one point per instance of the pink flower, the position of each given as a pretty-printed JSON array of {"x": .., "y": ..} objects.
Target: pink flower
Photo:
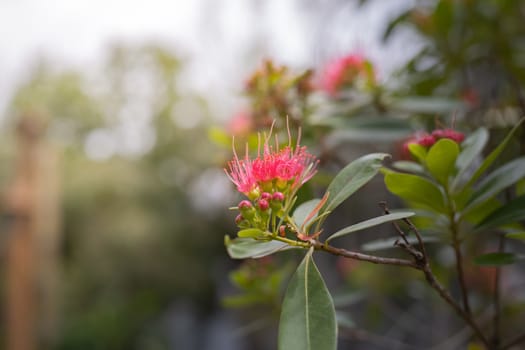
[
  {"x": 451, "y": 134},
  {"x": 426, "y": 140},
  {"x": 241, "y": 124},
  {"x": 341, "y": 72},
  {"x": 272, "y": 170}
]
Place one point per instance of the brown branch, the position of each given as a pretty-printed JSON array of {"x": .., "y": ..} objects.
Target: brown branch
[
  {"x": 456, "y": 244},
  {"x": 434, "y": 283},
  {"x": 518, "y": 339},
  {"x": 421, "y": 262},
  {"x": 363, "y": 257},
  {"x": 496, "y": 338}
]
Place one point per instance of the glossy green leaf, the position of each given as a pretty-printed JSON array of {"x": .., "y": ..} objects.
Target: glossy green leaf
[
  {"x": 478, "y": 213},
  {"x": 441, "y": 159},
  {"x": 354, "y": 176},
  {"x": 496, "y": 259},
  {"x": 493, "y": 155},
  {"x": 471, "y": 149},
  {"x": 250, "y": 232},
  {"x": 415, "y": 189},
  {"x": 509, "y": 213},
  {"x": 308, "y": 320},
  {"x": 408, "y": 166},
  {"x": 419, "y": 152},
  {"x": 301, "y": 212},
  {"x": 497, "y": 181},
  {"x": 242, "y": 248},
  {"x": 370, "y": 223}
]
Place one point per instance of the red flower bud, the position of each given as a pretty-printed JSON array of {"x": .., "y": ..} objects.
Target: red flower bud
[
  {"x": 263, "y": 204},
  {"x": 451, "y": 134},
  {"x": 266, "y": 196},
  {"x": 278, "y": 196},
  {"x": 238, "y": 219},
  {"x": 426, "y": 140},
  {"x": 245, "y": 204}
]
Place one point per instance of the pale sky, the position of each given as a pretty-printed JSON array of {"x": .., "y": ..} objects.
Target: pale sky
[{"x": 214, "y": 36}]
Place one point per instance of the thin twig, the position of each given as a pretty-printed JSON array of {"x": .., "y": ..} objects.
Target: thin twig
[
  {"x": 360, "y": 256},
  {"x": 496, "y": 340},
  {"x": 398, "y": 229},
  {"x": 456, "y": 244},
  {"x": 421, "y": 262},
  {"x": 414, "y": 229},
  {"x": 434, "y": 283},
  {"x": 515, "y": 341}
]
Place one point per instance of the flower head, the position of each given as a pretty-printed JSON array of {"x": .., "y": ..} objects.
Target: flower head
[{"x": 272, "y": 171}]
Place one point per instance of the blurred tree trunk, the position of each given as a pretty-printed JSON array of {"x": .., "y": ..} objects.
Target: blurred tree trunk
[{"x": 33, "y": 240}]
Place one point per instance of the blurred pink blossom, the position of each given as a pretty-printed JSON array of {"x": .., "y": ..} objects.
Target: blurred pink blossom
[
  {"x": 241, "y": 124},
  {"x": 341, "y": 72}
]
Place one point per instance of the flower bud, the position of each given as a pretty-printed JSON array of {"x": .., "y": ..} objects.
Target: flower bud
[
  {"x": 277, "y": 202},
  {"x": 451, "y": 134},
  {"x": 243, "y": 205},
  {"x": 282, "y": 230},
  {"x": 238, "y": 219},
  {"x": 263, "y": 204},
  {"x": 266, "y": 196},
  {"x": 426, "y": 140},
  {"x": 247, "y": 209},
  {"x": 456, "y": 136},
  {"x": 278, "y": 196},
  {"x": 254, "y": 193}
]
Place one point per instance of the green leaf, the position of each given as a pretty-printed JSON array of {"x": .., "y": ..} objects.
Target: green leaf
[
  {"x": 498, "y": 180},
  {"x": 389, "y": 243},
  {"x": 250, "y": 232},
  {"x": 354, "y": 176},
  {"x": 441, "y": 159},
  {"x": 520, "y": 187},
  {"x": 415, "y": 189},
  {"x": 301, "y": 212},
  {"x": 408, "y": 166},
  {"x": 510, "y": 213},
  {"x": 496, "y": 259},
  {"x": 516, "y": 235},
  {"x": 472, "y": 148},
  {"x": 242, "y": 248},
  {"x": 308, "y": 320},
  {"x": 419, "y": 152},
  {"x": 370, "y": 223},
  {"x": 493, "y": 155}
]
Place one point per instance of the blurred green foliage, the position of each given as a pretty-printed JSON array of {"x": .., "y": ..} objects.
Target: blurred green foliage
[{"x": 135, "y": 235}]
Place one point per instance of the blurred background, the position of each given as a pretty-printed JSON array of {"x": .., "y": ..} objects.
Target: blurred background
[{"x": 115, "y": 124}]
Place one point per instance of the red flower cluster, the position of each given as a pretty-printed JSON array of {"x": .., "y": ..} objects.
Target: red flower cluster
[
  {"x": 342, "y": 71},
  {"x": 272, "y": 170},
  {"x": 428, "y": 140}
]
